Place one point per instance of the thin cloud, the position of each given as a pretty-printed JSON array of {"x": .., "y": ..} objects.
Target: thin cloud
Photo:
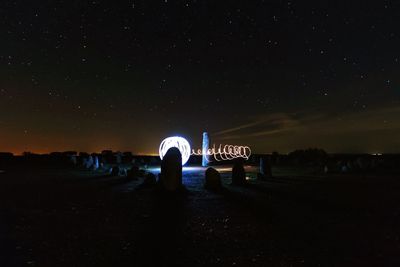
[
  {"x": 237, "y": 128},
  {"x": 282, "y": 123},
  {"x": 268, "y": 125}
]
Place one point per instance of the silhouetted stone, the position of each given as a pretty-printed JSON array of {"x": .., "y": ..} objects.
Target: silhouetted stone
[
  {"x": 133, "y": 173},
  {"x": 82, "y": 159},
  {"x": 123, "y": 172},
  {"x": 89, "y": 162},
  {"x": 115, "y": 171},
  {"x": 265, "y": 169},
  {"x": 127, "y": 157},
  {"x": 73, "y": 159},
  {"x": 213, "y": 180},
  {"x": 350, "y": 165},
  {"x": 171, "y": 170},
  {"x": 150, "y": 179},
  {"x": 344, "y": 169},
  {"x": 107, "y": 156},
  {"x": 275, "y": 158},
  {"x": 96, "y": 164},
  {"x": 326, "y": 169},
  {"x": 363, "y": 163},
  {"x": 118, "y": 157},
  {"x": 238, "y": 173}
]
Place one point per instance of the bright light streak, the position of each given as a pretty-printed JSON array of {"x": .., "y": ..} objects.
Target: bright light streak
[
  {"x": 175, "y": 141},
  {"x": 226, "y": 152}
]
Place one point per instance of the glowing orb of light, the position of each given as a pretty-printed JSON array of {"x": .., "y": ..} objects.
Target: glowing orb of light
[{"x": 176, "y": 141}]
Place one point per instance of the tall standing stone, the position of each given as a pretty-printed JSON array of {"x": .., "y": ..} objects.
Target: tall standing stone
[
  {"x": 206, "y": 146},
  {"x": 171, "y": 170}
]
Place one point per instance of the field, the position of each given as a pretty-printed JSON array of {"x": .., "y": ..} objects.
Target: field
[{"x": 71, "y": 217}]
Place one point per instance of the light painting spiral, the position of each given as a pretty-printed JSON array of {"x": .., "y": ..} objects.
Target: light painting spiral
[
  {"x": 226, "y": 152},
  {"x": 176, "y": 141}
]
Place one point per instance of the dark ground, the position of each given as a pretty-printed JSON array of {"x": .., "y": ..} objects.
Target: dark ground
[{"x": 75, "y": 218}]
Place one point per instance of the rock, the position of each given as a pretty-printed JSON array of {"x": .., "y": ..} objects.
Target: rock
[
  {"x": 73, "y": 159},
  {"x": 123, "y": 172},
  {"x": 363, "y": 163},
  {"x": 344, "y": 169},
  {"x": 150, "y": 179},
  {"x": 89, "y": 162},
  {"x": 84, "y": 162},
  {"x": 238, "y": 173},
  {"x": 350, "y": 165},
  {"x": 133, "y": 173},
  {"x": 265, "y": 169},
  {"x": 213, "y": 180},
  {"x": 96, "y": 164},
  {"x": 115, "y": 171},
  {"x": 118, "y": 157},
  {"x": 275, "y": 158},
  {"x": 171, "y": 170},
  {"x": 107, "y": 157},
  {"x": 326, "y": 169}
]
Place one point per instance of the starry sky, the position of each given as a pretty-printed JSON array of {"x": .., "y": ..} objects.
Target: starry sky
[{"x": 274, "y": 75}]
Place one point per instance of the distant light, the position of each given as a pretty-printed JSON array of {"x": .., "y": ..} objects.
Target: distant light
[{"x": 176, "y": 141}]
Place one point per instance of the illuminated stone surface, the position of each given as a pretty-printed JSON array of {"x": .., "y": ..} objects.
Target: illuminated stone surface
[{"x": 206, "y": 143}]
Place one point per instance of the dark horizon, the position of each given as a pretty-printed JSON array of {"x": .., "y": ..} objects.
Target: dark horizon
[{"x": 157, "y": 155}]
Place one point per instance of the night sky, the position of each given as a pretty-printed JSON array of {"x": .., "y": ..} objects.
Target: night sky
[{"x": 274, "y": 75}]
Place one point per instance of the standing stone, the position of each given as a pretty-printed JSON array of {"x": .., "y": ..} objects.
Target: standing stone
[
  {"x": 96, "y": 164},
  {"x": 265, "y": 169},
  {"x": 118, "y": 157},
  {"x": 326, "y": 169},
  {"x": 344, "y": 169},
  {"x": 171, "y": 170},
  {"x": 73, "y": 159},
  {"x": 107, "y": 157},
  {"x": 350, "y": 165},
  {"x": 89, "y": 162},
  {"x": 123, "y": 172},
  {"x": 114, "y": 171},
  {"x": 149, "y": 179},
  {"x": 84, "y": 162},
  {"x": 206, "y": 145},
  {"x": 238, "y": 173},
  {"x": 133, "y": 173},
  {"x": 213, "y": 180},
  {"x": 363, "y": 163}
]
